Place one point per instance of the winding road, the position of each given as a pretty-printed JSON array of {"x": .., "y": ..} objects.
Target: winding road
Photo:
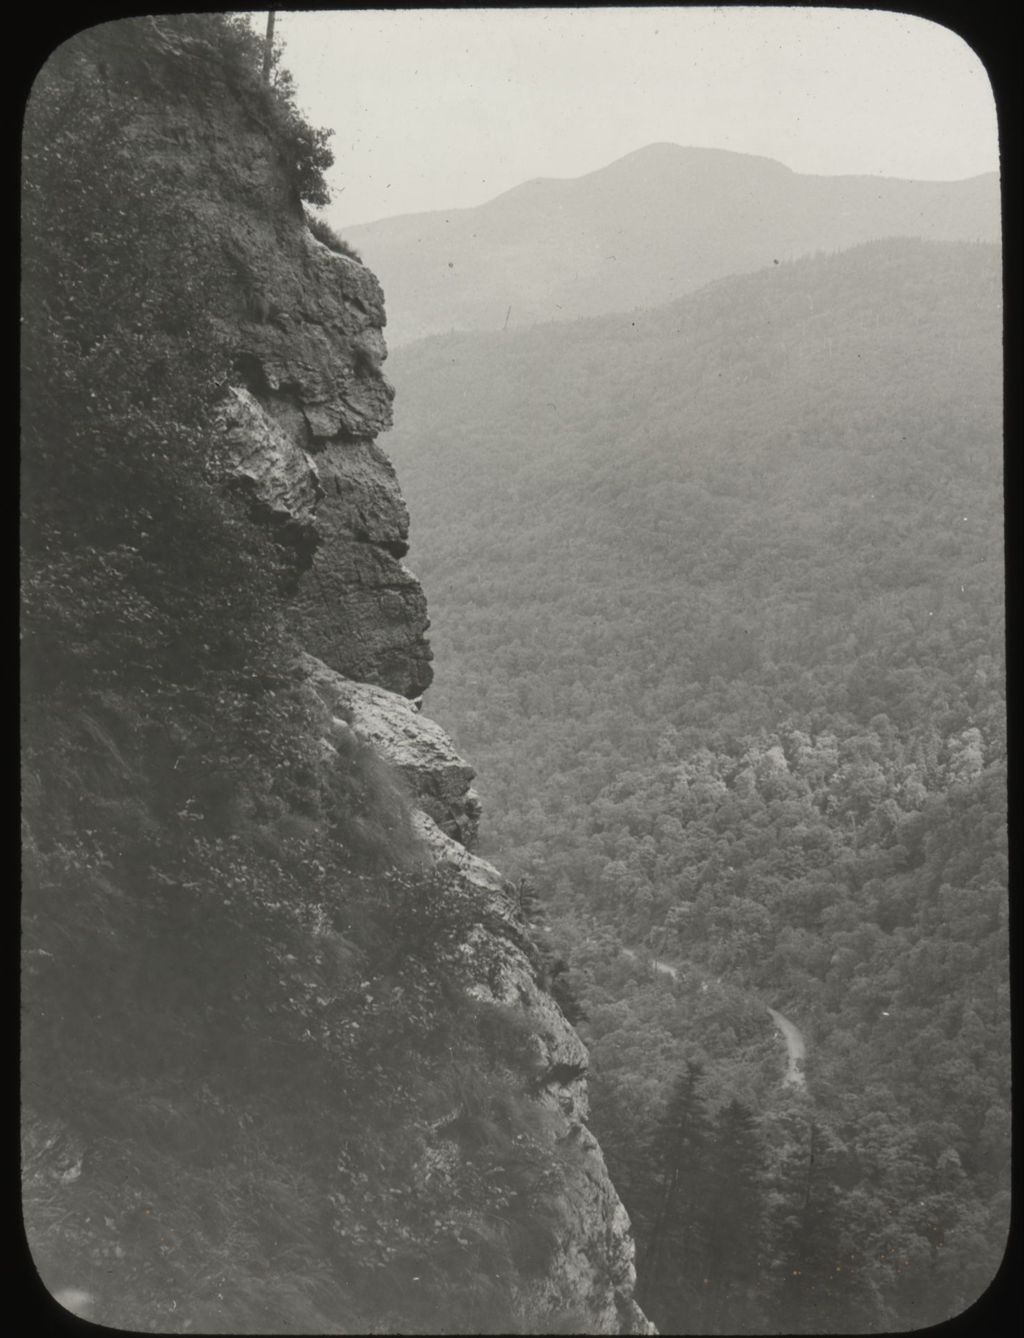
[{"x": 796, "y": 1046}]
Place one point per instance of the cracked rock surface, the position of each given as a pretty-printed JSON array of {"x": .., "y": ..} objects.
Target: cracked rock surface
[
  {"x": 306, "y": 400},
  {"x": 311, "y": 354},
  {"x": 280, "y": 475}
]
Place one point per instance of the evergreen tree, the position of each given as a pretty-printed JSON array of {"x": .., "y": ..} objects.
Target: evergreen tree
[
  {"x": 733, "y": 1260},
  {"x": 622, "y": 1121},
  {"x": 673, "y": 1253},
  {"x": 825, "y": 1286}
]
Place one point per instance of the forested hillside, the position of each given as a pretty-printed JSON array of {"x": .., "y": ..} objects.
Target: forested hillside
[{"x": 718, "y": 607}]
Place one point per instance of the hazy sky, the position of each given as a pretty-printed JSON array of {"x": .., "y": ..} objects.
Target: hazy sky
[{"x": 445, "y": 108}]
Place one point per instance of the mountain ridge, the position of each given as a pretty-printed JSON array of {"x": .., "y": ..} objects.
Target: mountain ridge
[
  {"x": 666, "y": 148},
  {"x": 654, "y": 224}
]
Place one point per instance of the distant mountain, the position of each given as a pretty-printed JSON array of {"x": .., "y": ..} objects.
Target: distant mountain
[{"x": 652, "y": 226}]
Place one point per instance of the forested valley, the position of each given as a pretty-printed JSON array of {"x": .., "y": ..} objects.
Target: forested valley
[{"x": 717, "y": 602}]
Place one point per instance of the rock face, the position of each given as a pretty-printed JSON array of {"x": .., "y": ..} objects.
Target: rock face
[
  {"x": 280, "y": 475},
  {"x": 591, "y": 1273},
  {"x": 296, "y": 429},
  {"x": 413, "y": 745},
  {"x": 310, "y": 345},
  {"x": 307, "y": 397},
  {"x": 311, "y": 351}
]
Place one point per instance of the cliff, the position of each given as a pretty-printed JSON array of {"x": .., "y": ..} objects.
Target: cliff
[
  {"x": 589, "y": 1274},
  {"x": 256, "y": 935},
  {"x": 307, "y": 396}
]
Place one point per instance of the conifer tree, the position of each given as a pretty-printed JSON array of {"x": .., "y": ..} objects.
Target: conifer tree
[
  {"x": 733, "y": 1259},
  {"x": 825, "y": 1287},
  {"x": 673, "y": 1253}
]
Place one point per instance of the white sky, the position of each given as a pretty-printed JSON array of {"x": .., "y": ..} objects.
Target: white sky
[{"x": 443, "y": 108}]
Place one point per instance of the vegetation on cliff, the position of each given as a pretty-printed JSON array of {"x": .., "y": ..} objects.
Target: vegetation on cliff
[{"x": 245, "y": 985}]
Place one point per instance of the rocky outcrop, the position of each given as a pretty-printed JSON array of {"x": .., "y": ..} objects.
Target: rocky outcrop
[
  {"x": 337, "y": 506},
  {"x": 296, "y": 429},
  {"x": 416, "y": 747},
  {"x": 309, "y": 343},
  {"x": 307, "y": 396},
  {"x": 280, "y": 476},
  {"x": 590, "y": 1273}
]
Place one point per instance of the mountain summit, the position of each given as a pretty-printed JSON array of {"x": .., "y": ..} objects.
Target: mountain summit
[{"x": 658, "y": 223}]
